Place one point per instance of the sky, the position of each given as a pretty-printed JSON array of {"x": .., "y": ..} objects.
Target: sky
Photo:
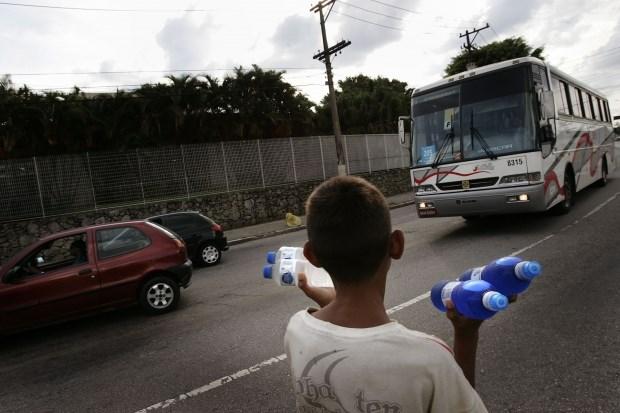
[{"x": 408, "y": 40}]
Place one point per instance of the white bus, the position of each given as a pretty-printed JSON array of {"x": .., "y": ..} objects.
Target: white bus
[{"x": 511, "y": 137}]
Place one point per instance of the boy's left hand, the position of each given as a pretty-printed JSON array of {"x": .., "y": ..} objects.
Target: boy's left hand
[{"x": 321, "y": 295}]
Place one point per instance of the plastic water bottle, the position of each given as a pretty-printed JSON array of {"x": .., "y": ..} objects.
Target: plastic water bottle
[
  {"x": 508, "y": 275},
  {"x": 473, "y": 299},
  {"x": 286, "y": 273},
  {"x": 285, "y": 253}
]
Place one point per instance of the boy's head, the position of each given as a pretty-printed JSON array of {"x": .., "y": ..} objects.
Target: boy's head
[{"x": 348, "y": 223}]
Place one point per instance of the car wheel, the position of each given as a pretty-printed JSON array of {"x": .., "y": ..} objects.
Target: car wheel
[
  {"x": 209, "y": 255},
  {"x": 569, "y": 195},
  {"x": 160, "y": 295},
  {"x": 603, "y": 181}
]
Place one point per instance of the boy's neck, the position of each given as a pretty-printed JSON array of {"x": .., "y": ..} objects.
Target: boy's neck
[{"x": 357, "y": 306}]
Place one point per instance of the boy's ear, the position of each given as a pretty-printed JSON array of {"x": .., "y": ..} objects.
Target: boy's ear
[
  {"x": 397, "y": 244},
  {"x": 309, "y": 254}
]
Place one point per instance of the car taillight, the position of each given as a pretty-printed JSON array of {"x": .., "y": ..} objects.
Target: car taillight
[
  {"x": 216, "y": 228},
  {"x": 179, "y": 243}
]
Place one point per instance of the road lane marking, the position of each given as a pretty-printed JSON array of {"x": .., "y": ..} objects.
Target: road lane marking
[
  {"x": 214, "y": 384},
  {"x": 277, "y": 359},
  {"x": 598, "y": 208},
  {"x": 409, "y": 303}
]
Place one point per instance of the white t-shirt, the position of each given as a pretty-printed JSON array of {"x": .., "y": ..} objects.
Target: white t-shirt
[{"x": 388, "y": 368}]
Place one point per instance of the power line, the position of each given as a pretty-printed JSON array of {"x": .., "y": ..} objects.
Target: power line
[
  {"x": 117, "y": 72},
  {"x": 606, "y": 52},
  {"x": 51, "y": 89},
  {"x": 370, "y": 11},
  {"x": 395, "y": 7},
  {"x": 368, "y": 21},
  {"x": 42, "y": 6}
]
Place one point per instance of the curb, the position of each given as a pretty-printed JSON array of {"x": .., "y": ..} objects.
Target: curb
[{"x": 295, "y": 229}]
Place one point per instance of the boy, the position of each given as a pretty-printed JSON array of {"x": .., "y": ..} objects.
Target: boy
[{"x": 348, "y": 356}]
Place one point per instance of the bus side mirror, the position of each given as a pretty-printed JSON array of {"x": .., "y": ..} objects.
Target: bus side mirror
[{"x": 401, "y": 130}]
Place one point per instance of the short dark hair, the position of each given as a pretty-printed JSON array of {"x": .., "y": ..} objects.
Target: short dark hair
[{"x": 348, "y": 223}]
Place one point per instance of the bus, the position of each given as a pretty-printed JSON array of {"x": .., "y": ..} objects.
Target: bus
[{"x": 512, "y": 137}]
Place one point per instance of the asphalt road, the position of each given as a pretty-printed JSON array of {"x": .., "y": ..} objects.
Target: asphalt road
[{"x": 554, "y": 350}]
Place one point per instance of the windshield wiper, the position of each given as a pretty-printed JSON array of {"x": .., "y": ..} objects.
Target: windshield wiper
[
  {"x": 475, "y": 133},
  {"x": 449, "y": 138}
]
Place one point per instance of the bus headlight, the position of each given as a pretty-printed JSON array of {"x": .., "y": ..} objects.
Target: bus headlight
[
  {"x": 426, "y": 205},
  {"x": 513, "y": 179},
  {"x": 425, "y": 188}
]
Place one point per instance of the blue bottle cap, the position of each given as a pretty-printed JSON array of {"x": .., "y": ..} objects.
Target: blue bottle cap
[
  {"x": 531, "y": 269},
  {"x": 267, "y": 271},
  {"x": 496, "y": 301},
  {"x": 287, "y": 278},
  {"x": 271, "y": 257}
]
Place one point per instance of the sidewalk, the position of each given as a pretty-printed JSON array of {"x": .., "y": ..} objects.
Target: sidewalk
[{"x": 269, "y": 229}]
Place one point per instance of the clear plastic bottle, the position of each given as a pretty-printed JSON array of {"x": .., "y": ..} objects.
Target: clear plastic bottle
[
  {"x": 286, "y": 273},
  {"x": 473, "y": 299},
  {"x": 508, "y": 275},
  {"x": 285, "y": 253}
]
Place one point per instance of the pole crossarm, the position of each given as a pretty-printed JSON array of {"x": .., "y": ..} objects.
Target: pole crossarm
[{"x": 332, "y": 50}]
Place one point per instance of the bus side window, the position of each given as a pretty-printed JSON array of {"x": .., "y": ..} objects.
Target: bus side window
[
  {"x": 575, "y": 102},
  {"x": 596, "y": 113},
  {"x": 559, "y": 95}
]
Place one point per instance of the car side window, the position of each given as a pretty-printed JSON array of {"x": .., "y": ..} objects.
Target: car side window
[
  {"x": 177, "y": 223},
  {"x": 57, "y": 254},
  {"x": 112, "y": 242},
  {"x": 201, "y": 223}
]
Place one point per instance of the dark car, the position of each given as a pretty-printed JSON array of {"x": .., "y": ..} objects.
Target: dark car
[
  {"x": 90, "y": 269},
  {"x": 204, "y": 238}
]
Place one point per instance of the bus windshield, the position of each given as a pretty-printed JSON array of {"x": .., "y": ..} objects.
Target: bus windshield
[{"x": 487, "y": 116}]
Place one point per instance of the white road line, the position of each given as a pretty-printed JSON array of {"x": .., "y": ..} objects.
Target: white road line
[
  {"x": 409, "y": 303},
  {"x": 214, "y": 384},
  {"x": 598, "y": 208},
  {"x": 529, "y": 247},
  {"x": 276, "y": 359}
]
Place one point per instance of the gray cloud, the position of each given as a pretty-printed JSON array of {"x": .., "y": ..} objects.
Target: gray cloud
[
  {"x": 184, "y": 42},
  {"x": 295, "y": 41},
  {"x": 369, "y": 35},
  {"x": 506, "y": 15}
]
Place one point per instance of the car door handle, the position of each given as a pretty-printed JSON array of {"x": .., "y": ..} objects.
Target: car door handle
[{"x": 87, "y": 271}]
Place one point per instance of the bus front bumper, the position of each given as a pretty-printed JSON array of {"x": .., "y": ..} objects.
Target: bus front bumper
[{"x": 512, "y": 200}]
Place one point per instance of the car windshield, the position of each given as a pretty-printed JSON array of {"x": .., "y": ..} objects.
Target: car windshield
[{"x": 479, "y": 118}]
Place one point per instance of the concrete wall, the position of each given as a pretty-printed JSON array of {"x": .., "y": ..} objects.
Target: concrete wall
[{"x": 232, "y": 210}]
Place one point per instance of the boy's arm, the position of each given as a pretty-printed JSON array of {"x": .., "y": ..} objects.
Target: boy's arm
[
  {"x": 321, "y": 295},
  {"x": 465, "y": 342}
]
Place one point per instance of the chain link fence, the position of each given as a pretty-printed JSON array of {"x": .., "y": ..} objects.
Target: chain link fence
[{"x": 54, "y": 185}]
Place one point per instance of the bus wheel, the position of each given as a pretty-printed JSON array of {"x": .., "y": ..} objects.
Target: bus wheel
[
  {"x": 569, "y": 194},
  {"x": 603, "y": 181}
]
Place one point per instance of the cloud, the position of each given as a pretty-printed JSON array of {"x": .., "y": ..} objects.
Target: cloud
[
  {"x": 185, "y": 43},
  {"x": 368, "y": 30},
  {"x": 295, "y": 41},
  {"x": 505, "y": 16}
]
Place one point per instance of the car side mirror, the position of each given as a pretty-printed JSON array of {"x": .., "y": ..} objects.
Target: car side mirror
[{"x": 11, "y": 276}]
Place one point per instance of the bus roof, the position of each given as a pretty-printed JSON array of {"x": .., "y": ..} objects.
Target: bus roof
[{"x": 501, "y": 65}]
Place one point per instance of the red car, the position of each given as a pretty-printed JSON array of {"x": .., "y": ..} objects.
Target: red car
[{"x": 90, "y": 269}]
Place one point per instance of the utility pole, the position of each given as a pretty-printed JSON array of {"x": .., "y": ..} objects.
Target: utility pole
[
  {"x": 470, "y": 43},
  {"x": 324, "y": 57}
]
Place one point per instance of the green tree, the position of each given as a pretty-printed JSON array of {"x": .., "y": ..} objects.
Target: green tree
[
  {"x": 511, "y": 48},
  {"x": 366, "y": 105}
]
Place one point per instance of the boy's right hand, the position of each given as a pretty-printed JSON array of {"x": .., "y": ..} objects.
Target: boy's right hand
[{"x": 321, "y": 295}]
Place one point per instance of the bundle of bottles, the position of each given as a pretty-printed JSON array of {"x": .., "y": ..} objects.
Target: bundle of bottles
[
  {"x": 283, "y": 266},
  {"x": 481, "y": 292}
]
